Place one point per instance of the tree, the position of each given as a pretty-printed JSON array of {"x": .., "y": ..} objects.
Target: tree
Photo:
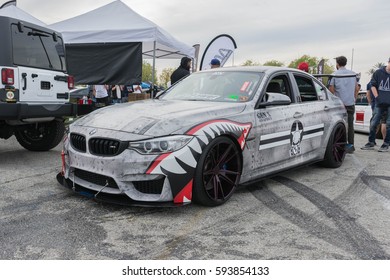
[
  {"x": 147, "y": 71},
  {"x": 313, "y": 63},
  {"x": 375, "y": 67},
  {"x": 250, "y": 62},
  {"x": 165, "y": 76},
  {"x": 273, "y": 63}
]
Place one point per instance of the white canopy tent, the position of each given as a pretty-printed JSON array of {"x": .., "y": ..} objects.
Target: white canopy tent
[
  {"x": 14, "y": 12},
  {"x": 116, "y": 22}
]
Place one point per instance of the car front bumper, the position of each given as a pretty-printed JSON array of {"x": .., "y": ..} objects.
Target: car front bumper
[{"x": 143, "y": 179}]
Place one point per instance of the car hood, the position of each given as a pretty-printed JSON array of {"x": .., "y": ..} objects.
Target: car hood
[{"x": 157, "y": 117}]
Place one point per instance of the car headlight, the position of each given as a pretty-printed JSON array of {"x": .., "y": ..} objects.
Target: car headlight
[{"x": 160, "y": 145}]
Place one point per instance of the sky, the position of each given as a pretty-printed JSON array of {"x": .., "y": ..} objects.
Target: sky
[{"x": 264, "y": 30}]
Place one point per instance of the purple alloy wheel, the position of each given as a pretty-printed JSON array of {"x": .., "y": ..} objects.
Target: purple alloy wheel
[
  {"x": 339, "y": 143},
  {"x": 222, "y": 171}
]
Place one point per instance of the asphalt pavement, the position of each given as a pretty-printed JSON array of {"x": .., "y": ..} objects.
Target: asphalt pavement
[{"x": 311, "y": 213}]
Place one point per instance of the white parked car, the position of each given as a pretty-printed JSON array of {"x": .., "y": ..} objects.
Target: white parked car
[
  {"x": 363, "y": 113},
  {"x": 34, "y": 87}
]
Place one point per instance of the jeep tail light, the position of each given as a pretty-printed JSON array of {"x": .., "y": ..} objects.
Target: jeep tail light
[
  {"x": 70, "y": 82},
  {"x": 7, "y": 76}
]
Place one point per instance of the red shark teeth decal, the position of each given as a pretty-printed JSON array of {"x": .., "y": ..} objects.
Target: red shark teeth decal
[
  {"x": 182, "y": 183},
  {"x": 244, "y": 135},
  {"x": 195, "y": 129},
  {"x": 185, "y": 195},
  {"x": 63, "y": 163},
  {"x": 246, "y": 127},
  {"x": 156, "y": 162}
]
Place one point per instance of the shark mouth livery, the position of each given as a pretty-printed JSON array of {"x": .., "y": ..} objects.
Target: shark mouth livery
[
  {"x": 176, "y": 168},
  {"x": 182, "y": 179},
  {"x": 203, "y": 137}
]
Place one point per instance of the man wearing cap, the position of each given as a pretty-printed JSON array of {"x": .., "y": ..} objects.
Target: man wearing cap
[
  {"x": 215, "y": 63},
  {"x": 380, "y": 88},
  {"x": 303, "y": 66},
  {"x": 346, "y": 89}
]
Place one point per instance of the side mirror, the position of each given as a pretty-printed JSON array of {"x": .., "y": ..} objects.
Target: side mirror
[{"x": 274, "y": 99}]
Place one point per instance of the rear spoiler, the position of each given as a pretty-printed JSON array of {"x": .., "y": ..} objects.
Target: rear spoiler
[
  {"x": 336, "y": 76},
  {"x": 330, "y": 76}
]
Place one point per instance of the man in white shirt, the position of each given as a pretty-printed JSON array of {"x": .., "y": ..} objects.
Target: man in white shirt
[
  {"x": 101, "y": 94},
  {"x": 346, "y": 88}
]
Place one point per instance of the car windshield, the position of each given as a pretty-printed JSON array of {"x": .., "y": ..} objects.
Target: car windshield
[
  {"x": 37, "y": 49},
  {"x": 361, "y": 99},
  {"x": 217, "y": 86}
]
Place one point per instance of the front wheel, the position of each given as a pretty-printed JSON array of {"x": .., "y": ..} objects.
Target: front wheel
[
  {"x": 40, "y": 136},
  {"x": 335, "y": 150},
  {"x": 218, "y": 172}
]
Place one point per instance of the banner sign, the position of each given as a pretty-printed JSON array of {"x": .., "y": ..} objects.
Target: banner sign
[
  {"x": 9, "y": 3},
  {"x": 221, "y": 48},
  {"x": 320, "y": 69},
  {"x": 196, "y": 58}
]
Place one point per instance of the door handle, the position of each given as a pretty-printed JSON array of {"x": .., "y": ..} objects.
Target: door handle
[
  {"x": 24, "y": 77},
  {"x": 34, "y": 75},
  {"x": 326, "y": 108},
  {"x": 298, "y": 115}
]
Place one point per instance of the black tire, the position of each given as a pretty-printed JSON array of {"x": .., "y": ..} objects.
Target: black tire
[
  {"x": 40, "y": 136},
  {"x": 335, "y": 149},
  {"x": 218, "y": 172}
]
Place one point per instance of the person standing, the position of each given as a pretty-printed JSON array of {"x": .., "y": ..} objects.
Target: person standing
[
  {"x": 101, "y": 94},
  {"x": 370, "y": 97},
  {"x": 371, "y": 101},
  {"x": 182, "y": 71},
  {"x": 346, "y": 88},
  {"x": 215, "y": 63},
  {"x": 380, "y": 87},
  {"x": 125, "y": 93},
  {"x": 304, "y": 66},
  {"x": 116, "y": 94}
]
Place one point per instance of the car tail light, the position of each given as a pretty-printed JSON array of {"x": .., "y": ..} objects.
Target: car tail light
[
  {"x": 360, "y": 117},
  {"x": 70, "y": 82},
  {"x": 7, "y": 76}
]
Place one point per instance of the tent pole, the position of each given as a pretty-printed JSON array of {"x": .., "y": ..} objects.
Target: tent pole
[{"x": 154, "y": 67}]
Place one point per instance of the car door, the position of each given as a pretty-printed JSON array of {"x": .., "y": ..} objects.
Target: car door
[
  {"x": 41, "y": 86},
  {"x": 314, "y": 115},
  {"x": 290, "y": 134},
  {"x": 275, "y": 127},
  {"x": 41, "y": 64}
]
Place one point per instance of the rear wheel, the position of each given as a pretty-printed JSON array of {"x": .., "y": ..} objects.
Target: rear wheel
[
  {"x": 335, "y": 150},
  {"x": 40, "y": 136},
  {"x": 218, "y": 172}
]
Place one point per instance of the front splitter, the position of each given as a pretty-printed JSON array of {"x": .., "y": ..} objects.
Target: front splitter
[{"x": 119, "y": 199}]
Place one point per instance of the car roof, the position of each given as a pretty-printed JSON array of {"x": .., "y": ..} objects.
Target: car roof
[
  {"x": 261, "y": 69},
  {"x": 12, "y": 20}
]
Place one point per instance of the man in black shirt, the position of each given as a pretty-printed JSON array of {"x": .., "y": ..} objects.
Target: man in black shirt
[
  {"x": 182, "y": 71},
  {"x": 380, "y": 87}
]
